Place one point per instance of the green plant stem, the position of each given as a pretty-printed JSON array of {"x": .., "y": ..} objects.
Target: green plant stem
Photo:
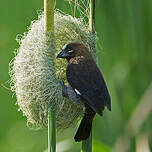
[
  {"x": 51, "y": 131},
  {"x": 92, "y": 18},
  {"x": 49, "y": 28},
  {"x": 49, "y": 15},
  {"x": 87, "y": 145}
]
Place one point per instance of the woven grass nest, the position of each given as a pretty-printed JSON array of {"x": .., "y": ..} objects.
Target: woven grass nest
[{"x": 35, "y": 73}]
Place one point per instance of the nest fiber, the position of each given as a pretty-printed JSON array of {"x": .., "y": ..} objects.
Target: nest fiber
[{"x": 35, "y": 73}]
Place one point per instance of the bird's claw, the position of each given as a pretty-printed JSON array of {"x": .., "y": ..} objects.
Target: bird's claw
[
  {"x": 69, "y": 93},
  {"x": 64, "y": 89}
]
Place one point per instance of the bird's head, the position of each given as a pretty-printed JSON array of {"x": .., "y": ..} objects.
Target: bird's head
[{"x": 72, "y": 50}]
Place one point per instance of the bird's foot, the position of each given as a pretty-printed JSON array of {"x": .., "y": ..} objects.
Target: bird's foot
[
  {"x": 68, "y": 92},
  {"x": 64, "y": 89}
]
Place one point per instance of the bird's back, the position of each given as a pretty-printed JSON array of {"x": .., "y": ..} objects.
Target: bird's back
[{"x": 85, "y": 77}]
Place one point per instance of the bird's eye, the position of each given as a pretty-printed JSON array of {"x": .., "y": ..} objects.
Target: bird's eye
[{"x": 70, "y": 51}]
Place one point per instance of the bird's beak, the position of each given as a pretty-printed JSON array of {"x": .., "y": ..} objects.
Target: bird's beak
[{"x": 63, "y": 54}]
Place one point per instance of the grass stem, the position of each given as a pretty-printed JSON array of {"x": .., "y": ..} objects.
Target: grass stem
[
  {"x": 49, "y": 15},
  {"x": 87, "y": 145},
  {"x": 51, "y": 131},
  {"x": 92, "y": 18},
  {"x": 49, "y": 28}
]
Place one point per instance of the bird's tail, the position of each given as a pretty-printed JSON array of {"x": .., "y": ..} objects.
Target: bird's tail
[{"x": 84, "y": 130}]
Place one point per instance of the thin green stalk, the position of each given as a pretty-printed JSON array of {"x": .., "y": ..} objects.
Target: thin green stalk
[
  {"x": 51, "y": 131},
  {"x": 87, "y": 145},
  {"x": 92, "y": 18},
  {"x": 49, "y": 15},
  {"x": 49, "y": 28}
]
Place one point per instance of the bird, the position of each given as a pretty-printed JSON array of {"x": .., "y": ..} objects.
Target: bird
[{"x": 85, "y": 78}]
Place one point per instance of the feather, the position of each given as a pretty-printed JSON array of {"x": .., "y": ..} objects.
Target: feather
[
  {"x": 87, "y": 81},
  {"x": 86, "y": 77}
]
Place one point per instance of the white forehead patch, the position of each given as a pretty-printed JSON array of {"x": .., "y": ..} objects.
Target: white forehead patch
[
  {"x": 64, "y": 47},
  {"x": 77, "y": 91}
]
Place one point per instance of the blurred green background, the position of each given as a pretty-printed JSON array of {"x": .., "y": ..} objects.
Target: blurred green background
[{"x": 125, "y": 33}]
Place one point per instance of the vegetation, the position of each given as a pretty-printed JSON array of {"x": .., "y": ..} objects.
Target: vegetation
[{"x": 125, "y": 58}]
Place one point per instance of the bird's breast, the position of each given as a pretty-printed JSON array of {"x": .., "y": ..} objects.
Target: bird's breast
[{"x": 77, "y": 59}]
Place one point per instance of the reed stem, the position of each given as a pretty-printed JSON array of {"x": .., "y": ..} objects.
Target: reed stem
[
  {"x": 87, "y": 145},
  {"x": 92, "y": 18},
  {"x": 49, "y": 28},
  {"x": 49, "y": 15},
  {"x": 51, "y": 131}
]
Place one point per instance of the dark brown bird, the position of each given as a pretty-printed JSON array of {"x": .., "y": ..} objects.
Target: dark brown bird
[{"x": 87, "y": 81}]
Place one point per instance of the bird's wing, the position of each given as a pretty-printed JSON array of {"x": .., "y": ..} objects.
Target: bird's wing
[{"x": 87, "y": 81}]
